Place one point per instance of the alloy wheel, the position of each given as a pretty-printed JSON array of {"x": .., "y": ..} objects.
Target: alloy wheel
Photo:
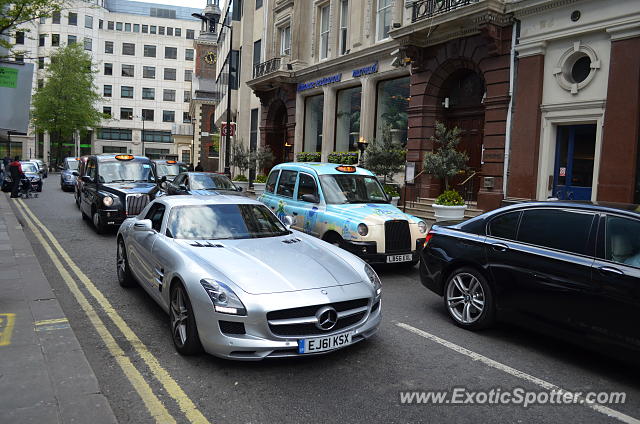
[
  {"x": 465, "y": 298},
  {"x": 179, "y": 316}
]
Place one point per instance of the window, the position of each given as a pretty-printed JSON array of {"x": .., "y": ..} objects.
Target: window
[
  {"x": 622, "y": 241},
  {"x": 324, "y": 32},
  {"x": 114, "y": 134},
  {"x": 108, "y": 68},
  {"x": 41, "y": 40},
  {"x": 187, "y": 96},
  {"x": 155, "y": 214},
  {"x": 383, "y": 19},
  {"x": 71, "y": 39},
  {"x": 55, "y": 40},
  {"x": 169, "y": 95},
  {"x": 285, "y": 40},
  {"x": 107, "y": 111},
  {"x": 110, "y": 25},
  {"x": 344, "y": 27},
  {"x": 145, "y": 28},
  {"x": 153, "y": 29},
  {"x": 178, "y": 32},
  {"x": 257, "y": 52},
  {"x": 107, "y": 90},
  {"x": 188, "y": 54},
  {"x": 147, "y": 114},
  {"x": 160, "y": 30},
  {"x": 127, "y": 70},
  {"x": 170, "y": 53},
  {"x": 127, "y": 27},
  {"x": 168, "y": 116},
  {"x": 258, "y": 4},
  {"x": 19, "y": 37},
  {"x": 19, "y": 58},
  {"x": 188, "y": 74},
  {"x": 149, "y": 72},
  {"x": 149, "y": 50},
  {"x": 118, "y": 26},
  {"x": 88, "y": 44},
  {"x": 170, "y": 31},
  {"x": 186, "y": 156},
  {"x": 100, "y": 24},
  {"x": 271, "y": 181},
  {"x": 157, "y": 136},
  {"x": 148, "y": 93},
  {"x": 136, "y": 27},
  {"x": 114, "y": 149},
  {"x": 41, "y": 62},
  {"x": 505, "y": 226},
  {"x": 88, "y": 21},
  {"x": 108, "y": 46},
  {"x": 191, "y": 34},
  {"x": 306, "y": 185},
  {"x": 126, "y": 113},
  {"x": 128, "y": 49},
  {"x": 287, "y": 183},
  {"x": 313, "y": 116},
  {"x": 235, "y": 10},
  {"x": 126, "y": 92},
  {"x": 43, "y": 20},
  {"x": 186, "y": 119},
  {"x": 556, "y": 229},
  {"x": 170, "y": 74},
  {"x": 234, "y": 80},
  {"x": 73, "y": 18},
  {"x": 348, "y": 119},
  {"x": 392, "y": 106},
  {"x": 55, "y": 16}
]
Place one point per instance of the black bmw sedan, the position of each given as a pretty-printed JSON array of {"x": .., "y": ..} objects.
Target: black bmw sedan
[{"x": 571, "y": 270}]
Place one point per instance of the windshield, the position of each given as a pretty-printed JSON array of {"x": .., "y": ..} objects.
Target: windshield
[
  {"x": 29, "y": 167},
  {"x": 72, "y": 164},
  {"x": 210, "y": 182},
  {"x": 219, "y": 222},
  {"x": 349, "y": 188},
  {"x": 169, "y": 170},
  {"x": 117, "y": 171}
]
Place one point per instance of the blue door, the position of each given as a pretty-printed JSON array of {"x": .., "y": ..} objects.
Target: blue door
[{"x": 575, "y": 151}]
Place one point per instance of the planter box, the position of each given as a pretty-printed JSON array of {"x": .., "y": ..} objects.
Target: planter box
[
  {"x": 258, "y": 188},
  {"x": 243, "y": 184},
  {"x": 394, "y": 200},
  {"x": 449, "y": 213}
]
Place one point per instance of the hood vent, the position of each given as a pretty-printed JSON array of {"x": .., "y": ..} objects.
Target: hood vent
[
  {"x": 291, "y": 241},
  {"x": 207, "y": 244}
]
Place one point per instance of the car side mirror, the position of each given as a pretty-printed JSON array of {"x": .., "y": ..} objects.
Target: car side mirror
[
  {"x": 182, "y": 187},
  {"x": 164, "y": 185},
  {"x": 143, "y": 225},
  {"x": 239, "y": 188},
  {"x": 310, "y": 198},
  {"x": 60, "y": 167},
  {"x": 75, "y": 174},
  {"x": 86, "y": 179},
  {"x": 287, "y": 221},
  {"x": 162, "y": 180}
]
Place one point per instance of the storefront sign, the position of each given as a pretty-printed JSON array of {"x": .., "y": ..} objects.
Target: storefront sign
[
  {"x": 372, "y": 69},
  {"x": 319, "y": 83},
  {"x": 8, "y": 77}
]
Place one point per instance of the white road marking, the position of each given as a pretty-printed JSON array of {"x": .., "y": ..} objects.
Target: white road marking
[{"x": 514, "y": 372}]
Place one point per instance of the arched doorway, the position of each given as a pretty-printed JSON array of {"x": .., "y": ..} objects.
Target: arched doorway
[
  {"x": 276, "y": 132},
  {"x": 463, "y": 94}
]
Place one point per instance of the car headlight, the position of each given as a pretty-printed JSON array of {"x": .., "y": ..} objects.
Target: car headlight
[
  {"x": 422, "y": 226},
  {"x": 363, "y": 230},
  {"x": 373, "y": 278},
  {"x": 107, "y": 201},
  {"x": 224, "y": 299}
]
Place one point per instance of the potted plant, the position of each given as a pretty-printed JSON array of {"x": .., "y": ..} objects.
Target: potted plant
[
  {"x": 445, "y": 162},
  {"x": 240, "y": 158},
  {"x": 261, "y": 159},
  {"x": 384, "y": 157},
  {"x": 241, "y": 181},
  {"x": 392, "y": 191},
  {"x": 259, "y": 184}
]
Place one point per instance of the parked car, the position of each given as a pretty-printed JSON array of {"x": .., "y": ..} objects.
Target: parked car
[
  {"x": 202, "y": 184},
  {"x": 238, "y": 283},
  {"x": 168, "y": 168},
  {"x": 569, "y": 269},
  {"x": 345, "y": 206},
  {"x": 115, "y": 187},
  {"x": 30, "y": 171},
  {"x": 79, "y": 183},
  {"x": 42, "y": 167},
  {"x": 67, "y": 179}
]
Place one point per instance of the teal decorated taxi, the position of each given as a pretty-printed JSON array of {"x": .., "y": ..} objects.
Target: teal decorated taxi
[{"x": 344, "y": 205}]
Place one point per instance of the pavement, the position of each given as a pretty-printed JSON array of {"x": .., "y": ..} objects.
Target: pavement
[{"x": 44, "y": 374}]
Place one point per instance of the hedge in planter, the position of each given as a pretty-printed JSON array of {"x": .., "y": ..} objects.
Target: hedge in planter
[
  {"x": 343, "y": 158},
  {"x": 450, "y": 198},
  {"x": 308, "y": 157}
]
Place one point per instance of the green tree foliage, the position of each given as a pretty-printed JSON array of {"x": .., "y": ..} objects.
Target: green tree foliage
[
  {"x": 66, "y": 102},
  {"x": 445, "y": 162},
  {"x": 240, "y": 157},
  {"x": 384, "y": 157},
  {"x": 14, "y": 13},
  {"x": 260, "y": 159}
]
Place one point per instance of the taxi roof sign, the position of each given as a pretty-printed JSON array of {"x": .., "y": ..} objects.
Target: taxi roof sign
[
  {"x": 346, "y": 168},
  {"x": 124, "y": 157},
  {"x": 171, "y": 161}
]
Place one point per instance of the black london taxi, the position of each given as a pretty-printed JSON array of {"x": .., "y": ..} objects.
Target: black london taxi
[
  {"x": 168, "y": 168},
  {"x": 115, "y": 187}
]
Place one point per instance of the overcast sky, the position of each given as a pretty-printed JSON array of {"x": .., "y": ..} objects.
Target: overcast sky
[{"x": 198, "y": 4}]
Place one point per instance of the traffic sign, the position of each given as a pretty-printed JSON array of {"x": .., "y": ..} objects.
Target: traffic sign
[{"x": 224, "y": 126}]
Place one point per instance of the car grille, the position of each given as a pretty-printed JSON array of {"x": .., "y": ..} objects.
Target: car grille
[
  {"x": 136, "y": 202},
  {"x": 397, "y": 237},
  {"x": 356, "y": 310}
]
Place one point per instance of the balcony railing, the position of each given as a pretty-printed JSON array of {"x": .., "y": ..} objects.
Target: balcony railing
[
  {"x": 265, "y": 68},
  {"x": 424, "y": 9},
  {"x": 182, "y": 129}
]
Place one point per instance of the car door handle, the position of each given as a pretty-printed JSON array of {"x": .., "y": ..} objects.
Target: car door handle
[
  {"x": 500, "y": 247},
  {"x": 610, "y": 269}
]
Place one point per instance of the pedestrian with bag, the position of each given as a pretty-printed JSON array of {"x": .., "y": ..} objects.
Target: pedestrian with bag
[{"x": 15, "y": 171}]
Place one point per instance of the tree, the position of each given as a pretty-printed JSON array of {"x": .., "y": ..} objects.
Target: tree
[
  {"x": 240, "y": 157},
  {"x": 262, "y": 158},
  {"x": 446, "y": 161},
  {"x": 66, "y": 102},
  {"x": 384, "y": 157},
  {"x": 14, "y": 13}
]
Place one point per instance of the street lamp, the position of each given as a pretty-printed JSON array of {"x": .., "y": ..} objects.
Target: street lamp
[
  {"x": 142, "y": 135},
  {"x": 287, "y": 150},
  {"x": 362, "y": 146}
]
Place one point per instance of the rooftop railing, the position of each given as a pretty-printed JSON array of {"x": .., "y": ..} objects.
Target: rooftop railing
[{"x": 425, "y": 9}]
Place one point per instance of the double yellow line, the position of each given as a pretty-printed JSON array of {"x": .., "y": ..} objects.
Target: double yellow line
[{"x": 153, "y": 404}]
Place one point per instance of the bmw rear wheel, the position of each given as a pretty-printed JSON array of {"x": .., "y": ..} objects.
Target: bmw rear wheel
[
  {"x": 468, "y": 299},
  {"x": 183, "y": 323}
]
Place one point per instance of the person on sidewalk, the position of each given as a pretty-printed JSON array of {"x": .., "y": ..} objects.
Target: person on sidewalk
[
  {"x": 15, "y": 170},
  {"x": 199, "y": 167}
]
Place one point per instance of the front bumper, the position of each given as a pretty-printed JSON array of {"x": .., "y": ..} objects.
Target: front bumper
[
  {"x": 259, "y": 342},
  {"x": 368, "y": 251},
  {"x": 112, "y": 216}
]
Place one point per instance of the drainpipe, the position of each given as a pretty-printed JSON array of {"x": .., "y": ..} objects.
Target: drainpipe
[{"x": 507, "y": 141}]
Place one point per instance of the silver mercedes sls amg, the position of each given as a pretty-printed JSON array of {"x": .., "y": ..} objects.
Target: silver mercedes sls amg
[{"x": 240, "y": 284}]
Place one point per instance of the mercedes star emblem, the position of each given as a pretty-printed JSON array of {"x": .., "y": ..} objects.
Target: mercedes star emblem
[{"x": 327, "y": 318}]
